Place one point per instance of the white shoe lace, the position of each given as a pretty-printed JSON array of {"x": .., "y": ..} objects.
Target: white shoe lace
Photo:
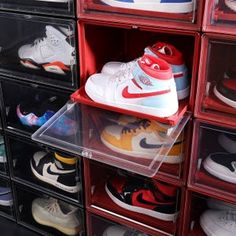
[
  {"x": 128, "y": 65},
  {"x": 53, "y": 207}
]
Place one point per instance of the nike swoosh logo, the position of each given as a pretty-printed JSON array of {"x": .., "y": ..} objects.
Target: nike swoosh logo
[
  {"x": 58, "y": 172},
  {"x": 143, "y": 143},
  {"x": 127, "y": 94}
]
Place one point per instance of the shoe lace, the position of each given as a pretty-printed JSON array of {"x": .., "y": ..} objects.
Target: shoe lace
[
  {"x": 229, "y": 218},
  {"x": 53, "y": 207},
  {"x": 38, "y": 41},
  {"x": 137, "y": 125},
  {"x": 127, "y": 66}
]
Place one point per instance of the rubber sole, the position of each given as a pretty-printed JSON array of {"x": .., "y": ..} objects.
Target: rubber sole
[
  {"x": 216, "y": 170},
  {"x": 224, "y": 99},
  {"x": 6, "y": 203},
  {"x": 158, "y": 7},
  {"x": 182, "y": 94}
]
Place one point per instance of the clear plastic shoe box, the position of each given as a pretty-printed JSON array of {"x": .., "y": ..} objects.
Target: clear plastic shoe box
[
  {"x": 38, "y": 49},
  {"x": 57, "y": 7}
]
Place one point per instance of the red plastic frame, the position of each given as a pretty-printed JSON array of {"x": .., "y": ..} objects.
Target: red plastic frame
[
  {"x": 90, "y": 10},
  {"x": 221, "y": 14},
  {"x": 205, "y": 188},
  {"x": 222, "y": 113},
  {"x": 91, "y": 48},
  {"x": 123, "y": 217}
]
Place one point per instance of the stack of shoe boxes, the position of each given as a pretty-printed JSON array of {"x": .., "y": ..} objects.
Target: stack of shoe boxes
[
  {"x": 38, "y": 72},
  {"x": 136, "y": 151},
  {"x": 210, "y": 200}
]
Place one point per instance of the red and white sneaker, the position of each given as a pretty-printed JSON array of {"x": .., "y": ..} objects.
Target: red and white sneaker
[
  {"x": 155, "y": 199},
  {"x": 52, "y": 53},
  {"x": 167, "y": 52},
  {"x": 148, "y": 87}
]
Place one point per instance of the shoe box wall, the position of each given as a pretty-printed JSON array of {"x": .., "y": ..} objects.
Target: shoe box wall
[
  {"x": 156, "y": 15},
  {"x": 27, "y": 90},
  {"x": 57, "y": 8},
  {"x": 219, "y": 17},
  {"x": 29, "y": 41},
  {"x": 215, "y": 99}
]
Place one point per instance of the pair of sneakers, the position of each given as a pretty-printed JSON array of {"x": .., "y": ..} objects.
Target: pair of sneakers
[
  {"x": 220, "y": 219},
  {"x": 151, "y": 84}
]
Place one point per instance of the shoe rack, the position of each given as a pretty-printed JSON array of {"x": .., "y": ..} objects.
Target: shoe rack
[
  {"x": 214, "y": 124},
  {"x": 29, "y": 87}
]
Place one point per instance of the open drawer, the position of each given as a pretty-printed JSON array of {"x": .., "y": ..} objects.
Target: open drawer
[{"x": 135, "y": 144}]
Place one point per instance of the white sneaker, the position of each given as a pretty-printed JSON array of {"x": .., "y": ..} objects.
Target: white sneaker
[
  {"x": 218, "y": 223},
  {"x": 147, "y": 87},
  {"x": 52, "y": 53},
  {"x": 168, "y": 6},
  {"x": 117, "y": 230},
  {"x": 56, "y": 214}
]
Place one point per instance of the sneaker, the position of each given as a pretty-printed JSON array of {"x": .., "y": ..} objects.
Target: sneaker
[
  {"x": 220, "y": 205},
  {"x": 153, "y": 199},
  {"x": 231, "y": 4},
  {"x": 222, "y": 166},
  {"x": 55, "y": 169},
  {"x": 167, "y": 6},
  {"x": 59, "y": 1},
  {"x": 225, "y": 90},
  {"x": 38, "y": 112},
  {"x": 140, "y": 138},
  {"x": 166, "y": 52},
  {"x": 148, "y": 87},
  {"x": 228, "y": 142},
  {"x": 56, "y": 214},
  {"x": 5, "y": 196},
  {"x": 117, "y": 230},
  {"x": 52, "y": 53},
  {"x": 218, "y": 223}
]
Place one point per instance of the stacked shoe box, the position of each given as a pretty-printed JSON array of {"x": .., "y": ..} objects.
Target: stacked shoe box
[
  {"x": 38, "y": 72},
  {"x": 136, "y": 151},
  {"x": 210, "y": 204}
]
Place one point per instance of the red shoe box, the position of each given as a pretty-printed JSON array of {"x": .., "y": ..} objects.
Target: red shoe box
[
  {"x": 96, "y": 10},
  {"x": 122, "y": 44},
  {"x": 217, "y": 59},
  {"x": 99, "y": 201},
  {"x": 219, "y": 18},
  {"x": 210, "y": 137}
]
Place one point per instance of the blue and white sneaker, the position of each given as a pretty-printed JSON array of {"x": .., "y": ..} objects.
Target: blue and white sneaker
[
  {"x": 148, "y": 87},
  {"x": 167, "y": 6},
  {"x": 167, "y": 52},
  {"x": 5, "y": 196}
]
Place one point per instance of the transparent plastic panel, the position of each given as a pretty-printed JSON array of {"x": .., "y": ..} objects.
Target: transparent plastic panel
[
  {"x": 100, "y": 226},
  {"x": 135, "y": 144},
  {"x": 135, "y": 197},
  {"x": 6, "y": 198},
  {"x": 215, "y": 158},
  {"x": 223, "y": 13},
  {"x": 48, "y": 215},
  {"x": 38, "y": 49},
  {"x": 39, "y": 166},
  {"x": 28, "y": 106},
  {"x": 219, "y": 97},
  {"x": 3, "y": 155},
  {"x": 209, "y": 216},
  {"x": 55, "y": 7},
  {"x": 184, "y": 11}
]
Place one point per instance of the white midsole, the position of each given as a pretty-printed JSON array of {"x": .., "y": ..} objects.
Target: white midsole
[
  {"x": 216, "y": 170},
  {"x": 158, "y": 215},
  {"x": 159, "y": 7},
  {"x": 138, "y": 108},
  {"x": 182, "y": 94},
  {"x": 224, "y": 99},
  {"x": 54, "y": 183}
]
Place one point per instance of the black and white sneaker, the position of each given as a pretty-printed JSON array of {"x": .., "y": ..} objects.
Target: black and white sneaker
[
  {"x": 222, "y": 166},
  {"x": 50, "y": 168}
]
